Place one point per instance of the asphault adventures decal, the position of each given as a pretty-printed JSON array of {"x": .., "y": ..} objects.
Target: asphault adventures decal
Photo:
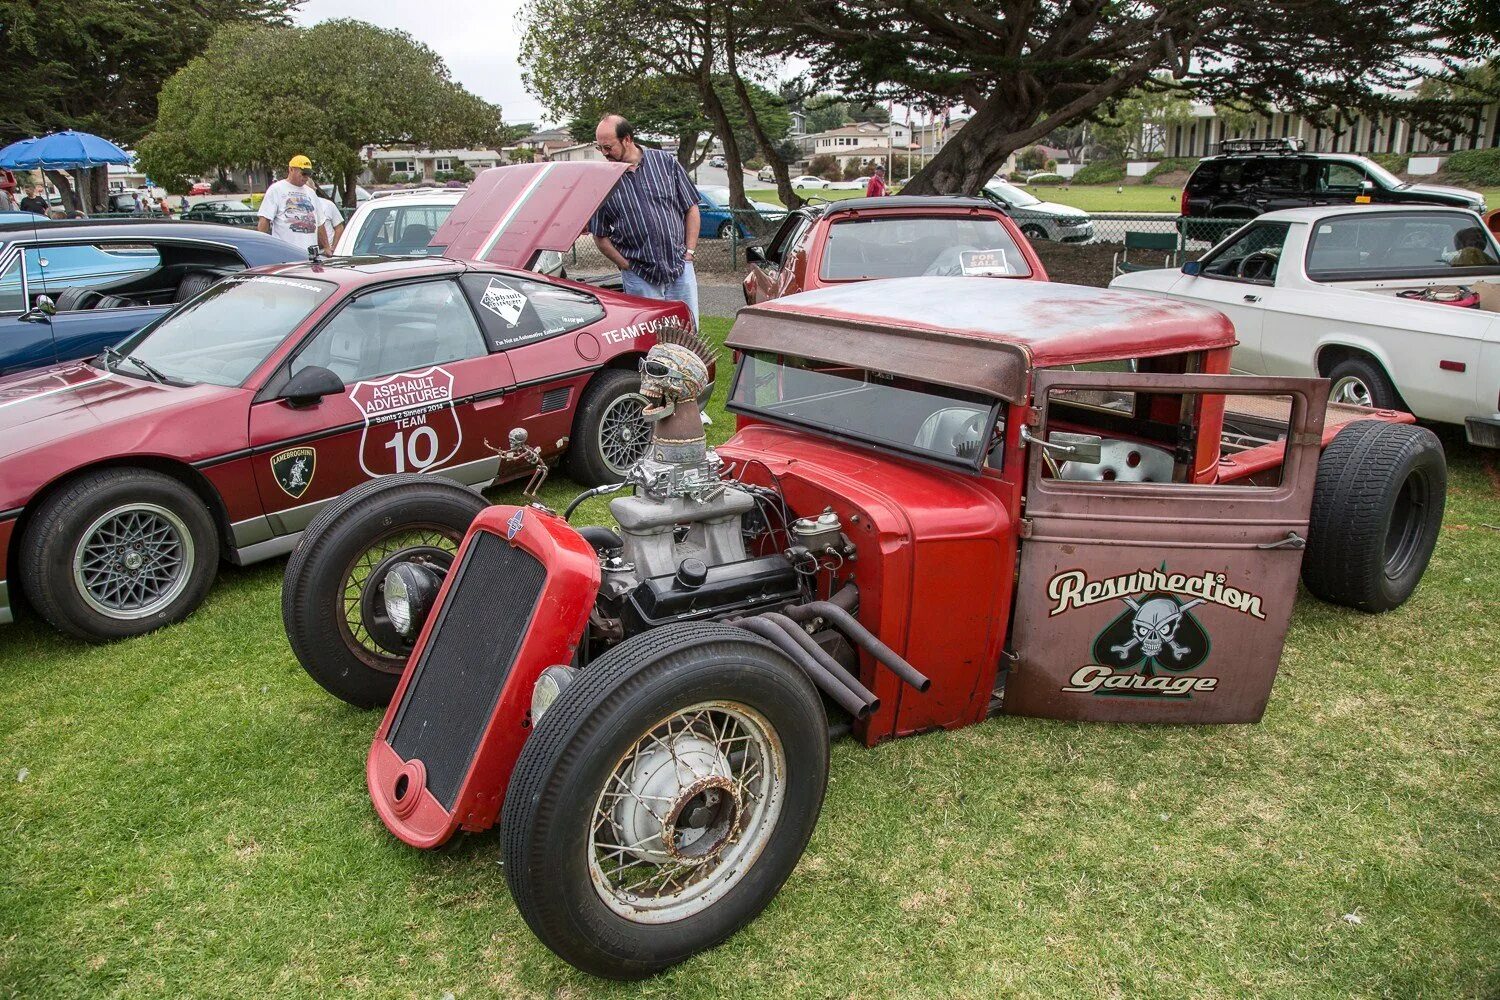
[
  {"x": 410, "y": 421},
  {"x": 1154, "y": 646}
]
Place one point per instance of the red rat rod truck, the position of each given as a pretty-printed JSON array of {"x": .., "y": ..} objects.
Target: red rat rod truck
[{"x": 947, "y": 499}]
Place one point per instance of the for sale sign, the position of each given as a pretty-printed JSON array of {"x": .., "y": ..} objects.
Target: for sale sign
[{"x": 410, "y": 422}]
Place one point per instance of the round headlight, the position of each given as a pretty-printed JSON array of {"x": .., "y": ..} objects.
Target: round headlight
[
  {"x": 398, "y": 601},
  {"x": 410, "y": 590},
  {"x": 549, "y": 684}
]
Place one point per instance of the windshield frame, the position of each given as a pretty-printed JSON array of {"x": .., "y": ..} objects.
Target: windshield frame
[
  {"x": 130, "y": 343},
  {"x": 974, "y": 466}
]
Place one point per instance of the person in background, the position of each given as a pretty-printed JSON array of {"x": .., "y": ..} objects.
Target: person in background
[
  {"x": 36, "y": 202},
  {"x": 289, "y": 210},
  {"x": 648, "y": 226},
  {"x": 331, "y": 220},
  {"x": 7, "y": 191},
  {"x": 875, "y": 188}
]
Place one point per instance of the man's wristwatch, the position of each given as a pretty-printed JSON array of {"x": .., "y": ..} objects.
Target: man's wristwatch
[{"x": 688, "y": 253}]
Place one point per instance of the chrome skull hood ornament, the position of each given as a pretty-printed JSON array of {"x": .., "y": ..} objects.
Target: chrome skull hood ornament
[{"x": 671, "y": 374}]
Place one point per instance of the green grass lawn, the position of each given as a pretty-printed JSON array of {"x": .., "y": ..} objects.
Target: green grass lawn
[
  {"x": 185, "y": 815},
  {"x": 1091, "y": 198}
]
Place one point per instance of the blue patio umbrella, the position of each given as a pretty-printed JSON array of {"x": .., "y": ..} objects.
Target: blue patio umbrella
[{"x": 66, "y": 150}]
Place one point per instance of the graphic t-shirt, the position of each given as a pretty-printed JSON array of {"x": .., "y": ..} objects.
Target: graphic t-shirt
[{"x": 293, "y": 211}]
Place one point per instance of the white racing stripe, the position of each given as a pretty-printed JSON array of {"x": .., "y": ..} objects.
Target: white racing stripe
[
  {"x": 53, "y": 392},
  {"x": 525, "y": 194}
]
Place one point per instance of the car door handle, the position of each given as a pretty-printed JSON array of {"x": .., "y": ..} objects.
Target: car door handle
[
  {"x": 1252, "y": 298},
  {"x": 1291, "y": 541}
]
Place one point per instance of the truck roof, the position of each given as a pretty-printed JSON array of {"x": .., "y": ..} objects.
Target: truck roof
[
  {"x": 1316, "y": 212},
  {"x": 984, "y": 334}
]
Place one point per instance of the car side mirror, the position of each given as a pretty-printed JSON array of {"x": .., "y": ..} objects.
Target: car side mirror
[
  {"x": 310, "y": 385},
  {"x": 755, "y": 255},
  {"x": 1367, "y": 186},
  {"x": 41, "y": 308},
  {"x": 1193, "y": 267}
]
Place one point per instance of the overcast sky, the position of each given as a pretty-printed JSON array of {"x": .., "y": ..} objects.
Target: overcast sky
[{"x": 479, "y": 41}]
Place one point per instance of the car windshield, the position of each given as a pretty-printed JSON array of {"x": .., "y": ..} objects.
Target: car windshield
[
  {"x": 1012, "y": 196},
  {"x": 1384, "y": 176},
  {"x": 910, "y": 246},
  {"x": 715, "y": 195},
  {"x": 1354, "y": 247},
  {"x": 402, "y": 230},
  {"x": 954, "y": 426},
  {"x": 227, "y": 332}
]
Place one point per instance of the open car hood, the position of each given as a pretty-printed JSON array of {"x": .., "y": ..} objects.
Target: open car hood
[{"x": 511, "y": 213}]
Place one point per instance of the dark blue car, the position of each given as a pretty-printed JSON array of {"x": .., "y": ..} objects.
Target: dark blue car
[
  {"x": 69, "y": 289},
  {"x": 717, "y": 222}
]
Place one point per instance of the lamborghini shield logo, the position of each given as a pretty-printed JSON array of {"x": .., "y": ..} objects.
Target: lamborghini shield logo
[{"x": 294, "y": 470}]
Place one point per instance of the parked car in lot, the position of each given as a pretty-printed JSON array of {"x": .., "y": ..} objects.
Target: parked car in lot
[
  {"x": 225, "y": 426},
  {"x": 200, "y": 187},
  {"x": 1252, "y": 176},
  {"x": 717, "y": 222},
  {"x": 405, "y": 224},
  {"x": 68, "y": 289},
  {"x": 809, "y": 181},
  {"x": 716, "y": 161},
  {"x": 765, "y": 173},
  {"x": 948, "y": 499},
  {"x": 1037, "y": 219},
  {"x": 229, "y": 211},
  {"x": 902, "y": 236},
  {"x": 1382, "y": 300}
]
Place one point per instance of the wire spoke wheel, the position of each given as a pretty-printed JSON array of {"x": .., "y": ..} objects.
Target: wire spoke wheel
[
  {"x": 366, "y": 630},
  {"x": 624, "y": 433},
  {"x": 133, "y": 561},
  {"x": 686, "y": 811},
  {"x": 1351, "y": 389}
]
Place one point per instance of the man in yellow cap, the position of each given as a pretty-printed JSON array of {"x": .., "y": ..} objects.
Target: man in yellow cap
[{"x": 289, "y": 210}]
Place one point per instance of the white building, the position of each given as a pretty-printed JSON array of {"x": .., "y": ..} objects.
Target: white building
[
  {"x": 1355, "y": 133},
  {"x": 426, "y": 164}
]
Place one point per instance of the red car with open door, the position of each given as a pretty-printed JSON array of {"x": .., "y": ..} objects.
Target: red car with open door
[
  {"x": 863, "y": 239},
  {"x": 222, "y": 429},
  {"x": 947, "y": 499}
]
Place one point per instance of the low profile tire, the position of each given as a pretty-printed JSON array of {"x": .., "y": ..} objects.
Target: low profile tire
[
  {"x": 117, "y": 553},
  {"x": 1035, "y": 234},
  {"x": 1376, "y": 513},
  {"x": 707, "y": 749},
  {"x": 331, "y": 596},
  {"x": 610, "y": 434},
  {"x": 726, "y": 231},
  {"x": 193, "y": 285},
  {"x": 1362, "y": 381}
]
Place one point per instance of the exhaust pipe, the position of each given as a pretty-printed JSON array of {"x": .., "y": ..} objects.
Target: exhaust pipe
[
  {"x": 819, "y": 654},
  {"x": 826, "y": 682},
  {"x": 862, "y": 637}
]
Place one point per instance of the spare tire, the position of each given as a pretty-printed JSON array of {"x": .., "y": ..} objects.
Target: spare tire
[
  {"x": 1376, "y": 513},
  {"x": 193, "y": 285}
]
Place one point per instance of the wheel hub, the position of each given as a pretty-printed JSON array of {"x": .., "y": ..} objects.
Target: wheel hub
[{"x": 682, "y": 804}]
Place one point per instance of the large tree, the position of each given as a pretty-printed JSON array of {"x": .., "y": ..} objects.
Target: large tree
[
  {"x": 257, "y": 95},
  {"x": 1027, "y": 67},
  {"x": 97, "y": 65}
]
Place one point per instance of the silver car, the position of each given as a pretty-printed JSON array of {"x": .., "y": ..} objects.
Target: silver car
[{"x": 1040, "y": 220}]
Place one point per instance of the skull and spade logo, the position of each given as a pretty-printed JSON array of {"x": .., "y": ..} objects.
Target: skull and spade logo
[{"x": 1156, "y": 630}]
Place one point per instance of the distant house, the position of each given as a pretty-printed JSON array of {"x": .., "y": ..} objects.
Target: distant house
[
  {"x": 577, "y": 151},
  {"x": 860, "y": 142},
  {"x": 542, "y": 145},
  {"x": 426, "y": 164}
]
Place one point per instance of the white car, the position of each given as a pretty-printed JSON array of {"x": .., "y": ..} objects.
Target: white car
[
  {"x": 809, "y": 181},
  {"x": 1398, "y": 305},
  {"x": 403, "y": 224},
  {"x": 1040, "y": 220}
]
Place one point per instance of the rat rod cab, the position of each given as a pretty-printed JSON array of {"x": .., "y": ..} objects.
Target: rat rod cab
[{"x": 946, "y": 499}]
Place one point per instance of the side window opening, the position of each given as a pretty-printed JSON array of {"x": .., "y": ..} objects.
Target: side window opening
[
  {"x": 12, "y": 295},
  {"x": 1254, "y": 256},
  {"x": 395, "y": 329}
]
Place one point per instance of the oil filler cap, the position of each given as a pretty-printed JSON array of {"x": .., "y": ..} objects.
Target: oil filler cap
[{"x": 691, "y": 573}]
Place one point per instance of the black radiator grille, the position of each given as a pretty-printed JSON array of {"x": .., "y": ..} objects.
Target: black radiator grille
[
  {"x": 555, "y": 399},
  {"x": 457, "y": 681}
]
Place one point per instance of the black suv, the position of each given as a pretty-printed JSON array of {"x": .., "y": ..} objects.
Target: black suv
[{"x": 1251, "y": 176}]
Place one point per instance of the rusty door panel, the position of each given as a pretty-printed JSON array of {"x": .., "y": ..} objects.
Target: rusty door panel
[{"x": 1144, "y": 602}]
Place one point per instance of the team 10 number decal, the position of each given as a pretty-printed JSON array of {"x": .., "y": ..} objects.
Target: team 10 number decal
[{"x": 410, "y": 422}]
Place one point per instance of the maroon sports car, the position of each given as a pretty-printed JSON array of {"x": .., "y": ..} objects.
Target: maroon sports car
[{"x": 222, "y": 429}]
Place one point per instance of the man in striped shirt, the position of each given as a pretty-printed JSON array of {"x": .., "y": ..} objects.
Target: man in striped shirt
[{"x": 648, "y": 226}]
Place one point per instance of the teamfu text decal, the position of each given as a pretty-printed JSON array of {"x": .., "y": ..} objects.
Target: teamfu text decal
[
  {"x": 628, "y": 333},
  {"x": 1150, "y": 649},
  {"x": 293, "y": 470},
  {"x": 410, "y": 422}
]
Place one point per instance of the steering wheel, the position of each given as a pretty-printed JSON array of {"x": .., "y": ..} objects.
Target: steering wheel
[
  {"x": 1416, "y": 239},
  {"x": 1257, "y": 266}
]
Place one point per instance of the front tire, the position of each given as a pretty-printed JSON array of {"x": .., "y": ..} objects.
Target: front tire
[
  {"x": 331, "y": 596},
  {"x": 726, "y": 230},
  {"x": 117, "y": 553},
  {"x": 610, "y": 433},
  {"x": 1376, "y": 513},
  {"x": 664, "y": 798},
  {"x": 1036, "y": 234},
  {"x": 1363, "y": 382}
]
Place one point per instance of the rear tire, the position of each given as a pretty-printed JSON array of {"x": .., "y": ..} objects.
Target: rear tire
[
  {"x": 330, "y": 597},
  {"x": 194, "y": 284},
  {"x": 1362, "y": 381},
  {"x": 726, "y": 230},
  {"x": 609, "y": 433},
  {"x": 734, "y": 837},
  {"x": 1376, "y": 513},
  {"x": 117, "y": 553}
]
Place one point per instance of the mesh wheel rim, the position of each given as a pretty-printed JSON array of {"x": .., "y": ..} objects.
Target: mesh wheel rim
[
  {"x": 624, "y": 433},
  {"x": 133, "y": 561}
]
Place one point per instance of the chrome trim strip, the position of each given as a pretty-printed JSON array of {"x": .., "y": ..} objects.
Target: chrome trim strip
[
  {"x": 262, "y": 551},
  {"x": 251, "y": 531},
  {"x": 5, "y": 613}
]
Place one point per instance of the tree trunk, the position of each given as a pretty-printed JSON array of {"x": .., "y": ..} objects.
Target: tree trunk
[
  {"x": 96, "y": 190},
  {"x": 784, "y": 189},
  {"x": 64, "y": 185},
  {"x": 720, "y": 118},
  {"x": 351, "y": 181},
  {"x": 971, "y": 157},
  {"x": 687, "y": 146}
]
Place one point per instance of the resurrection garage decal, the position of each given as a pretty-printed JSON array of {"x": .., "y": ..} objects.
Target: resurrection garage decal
[
  {"x": 410, "y": 422},
  {"x": 293, "y": 470},
  {"x": 1150, "y": 649}
]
